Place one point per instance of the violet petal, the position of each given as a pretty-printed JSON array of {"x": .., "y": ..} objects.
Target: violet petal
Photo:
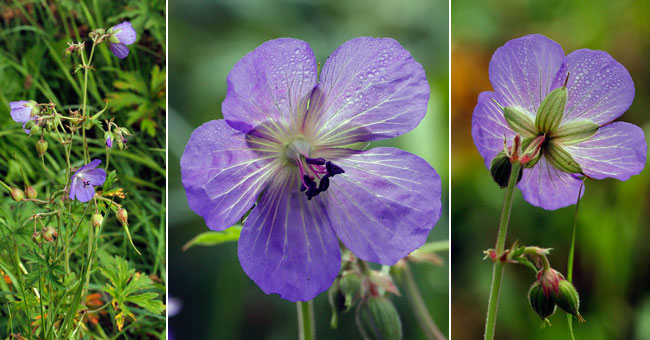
[
  {"x": 385, "y": 203},
  {"x": 119, "y": 50},
  {"x": 617, "y": 150},
  {"x": 549, "y": 188},
  {"x": 287, "y": 245},
  {"x": 222, "y": 176},
  {"x": 524, "y": 69},
  {"x": 600, "y": 88},
  {"x": 370, "y": 89},
  {"x": 271, "y": 83}
]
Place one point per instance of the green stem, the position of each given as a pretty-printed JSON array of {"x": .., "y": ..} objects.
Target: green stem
[
  {"x": 497, "y": 272},
  {"x": 569, "y": 271},
  {"x": 429, "y": 327},
  {"x": 86, "y": 65},
  {"x": 306, "y": 330}
]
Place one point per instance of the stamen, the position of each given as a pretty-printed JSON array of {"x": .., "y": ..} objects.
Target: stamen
[
  {"x": 333, "y": 169},
  {"x": 315, "y": 161}
]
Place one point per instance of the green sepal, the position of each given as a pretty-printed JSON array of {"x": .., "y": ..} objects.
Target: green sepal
[
  {"x": 519, "y": 121},
  {"x": 549, "y": 114},
  {"x": 542, "y": 304},
  {"x": 575, "y": 132},
  {"x": 561, "y": 159},
  {"x": 568, "y": 299}
]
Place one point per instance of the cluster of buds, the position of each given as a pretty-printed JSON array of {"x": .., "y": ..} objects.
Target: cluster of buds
[
  {"x": 46, "y": 235},
  {"x": 551, "y": 289},
  {"x": 116, "y": 134},
  {"x": 357, "y": 285},
  {"x": 74, "y": 47}
]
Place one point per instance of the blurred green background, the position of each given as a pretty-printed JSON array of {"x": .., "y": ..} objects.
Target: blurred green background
[
  {"x": 207, "y": 37},
  {"x": 612, "y": 255}
]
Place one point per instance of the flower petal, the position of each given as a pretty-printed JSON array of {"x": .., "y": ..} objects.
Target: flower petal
[
  {"x": 95, "y": 176},
  {"x": 524, "y": 70},
  {"x": 271, "y": 83},
  {"x": 19, "y": 112},
  {"x": 119, "y": 50},
  {"x": 83, "y": 193},
  {"x": 221, "y": 174},
  {"x": 385, "y": 203},
  {"x": 287, "y": 245},
  {"x": 600, "y": 88},
  {"x": 369, "y": 89},
  {"x": 489, "y": 127},
  {"x": 126, "y": 34},
  {"x": 617, "y": 150},
  {"x": 549, "y": 188}
]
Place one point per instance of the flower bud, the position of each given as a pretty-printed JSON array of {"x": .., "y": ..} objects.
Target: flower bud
[
  {"x": 541, "y": 303},
  {"x": 350, "y": 285},
  {"x": 337, "y": 303},
  {"x": 500, "y": 168},
  {"x": 568, "y": 300},
  {"x": 377, "y": 319},
  {"x": 122, "y": 216},
  {"x": 41, "y": 147},
  {"x": 37, "y": 238},
  {"x": 17, "y": 194},
  {"x": 49, "y": 233},
  {"x": 108, "y": 137},
  {"x": 30, "y": 192},
  {"x": 549, "y": 279},
  {"x": 97, "y": 220}
]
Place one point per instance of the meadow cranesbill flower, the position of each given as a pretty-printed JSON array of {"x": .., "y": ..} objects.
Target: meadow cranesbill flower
[
  {"x": 121, "y": 35},
  {"x": 566, "y": 105},
  {"x": 85, "y": 180},
  {"x": 294, "y": 143},
  {"x": 23, "y": 111}
]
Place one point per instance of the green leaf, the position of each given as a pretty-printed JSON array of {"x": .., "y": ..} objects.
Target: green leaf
[{"x": 211, "y": 238}]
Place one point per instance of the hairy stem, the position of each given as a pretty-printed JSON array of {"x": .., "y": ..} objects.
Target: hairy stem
[
  {"x": 497, "y": 272},
  {"x": 306, "y": 330},
  {"x": 429, "y": 327}
]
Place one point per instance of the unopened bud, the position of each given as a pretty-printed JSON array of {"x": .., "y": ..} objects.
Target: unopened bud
[
  {"x": 541, "y": 303},
  {"x": 30, "y": 192},
  {"x": 122, "y": 216},
  {"x": 49, "y": 233},
  {"x": 378, "y": 319},
  {"x": 17, "y": 194},
  {"x": 549, "y": 279},
  {"x": 97, "y": 220},
  {"x": 337, "y": 303},
  {"x": 568, "y": 299},
  {"x": 41, "y": 147},
  {"x": 500, "y": 168},
  {"x": 350, "y": 284},
  {"x": 37, "y": 238}
]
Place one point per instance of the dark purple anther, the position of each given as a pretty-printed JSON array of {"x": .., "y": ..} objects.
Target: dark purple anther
[
  {"x": 324, "y": 183},
  {"x": 333, "y": 169}
]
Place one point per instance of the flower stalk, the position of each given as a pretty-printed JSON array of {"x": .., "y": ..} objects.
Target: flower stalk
[
  {"x": 429, "y": 327},
  {"x": 306, "y": 329},
  {"x": 497, "y": 272}
]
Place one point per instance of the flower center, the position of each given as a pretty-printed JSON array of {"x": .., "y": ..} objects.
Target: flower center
[{"x": 315, "y": 173}]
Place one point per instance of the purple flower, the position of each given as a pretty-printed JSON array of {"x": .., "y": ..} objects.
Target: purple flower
[
  {"x": 109, "y": 142},
  {"x": 23, "y": 111},
  {"x": 85, "y": 180},
  {"x": 567, "y": 102},
  {"x": 121, "y": 35},
  {"x": 289, "y": 140}
]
